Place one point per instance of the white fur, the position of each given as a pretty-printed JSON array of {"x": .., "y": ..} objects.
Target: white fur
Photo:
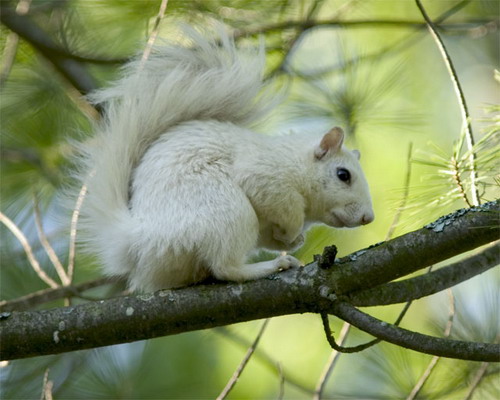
[{"x": 182, "y": 190}]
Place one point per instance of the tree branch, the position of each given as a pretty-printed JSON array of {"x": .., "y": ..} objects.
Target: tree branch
[
  {"x": 416, "y": 341},
  {"x": 308, "y": 289},
  {"x": 452, "y": 234},
  {"x": 427, "y": 284}
]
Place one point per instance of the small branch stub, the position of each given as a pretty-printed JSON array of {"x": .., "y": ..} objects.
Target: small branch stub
[{"x": 326, "y": 259}]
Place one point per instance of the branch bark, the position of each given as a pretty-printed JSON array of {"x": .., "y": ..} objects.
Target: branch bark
[
  {"x": 308, "y": 289},
  {"x": 427, "y": 284},
  {"x": 450, "y": 235}
]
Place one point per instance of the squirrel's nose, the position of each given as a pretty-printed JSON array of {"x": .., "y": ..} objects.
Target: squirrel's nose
[{"x": 367, "y": 218}]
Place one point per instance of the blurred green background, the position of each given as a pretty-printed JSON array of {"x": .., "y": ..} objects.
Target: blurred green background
[{"x": 382, "y": 79}]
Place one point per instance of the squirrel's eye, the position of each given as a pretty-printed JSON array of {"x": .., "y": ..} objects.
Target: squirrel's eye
[{"x": 343, "y": 175}]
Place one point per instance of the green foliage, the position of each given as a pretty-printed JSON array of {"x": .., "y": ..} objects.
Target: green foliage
[
  {"x": 449, "y": 181},
  {"x": 384, "y": 98}
]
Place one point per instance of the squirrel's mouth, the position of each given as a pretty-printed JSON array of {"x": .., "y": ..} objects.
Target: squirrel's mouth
[
  {"x": 339, "y": 221},
  {"x": 335, "y": 220}
]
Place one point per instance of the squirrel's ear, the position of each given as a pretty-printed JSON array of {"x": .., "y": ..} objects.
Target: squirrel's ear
[
  {"x": 357, "y": 154},
  {"x": 331, "y": 143}
]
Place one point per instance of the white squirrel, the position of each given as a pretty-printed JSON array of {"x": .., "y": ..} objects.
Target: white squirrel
[{"x": 179, "y": 189}]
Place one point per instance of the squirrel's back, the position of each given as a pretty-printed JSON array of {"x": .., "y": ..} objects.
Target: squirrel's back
[{"x": 209, "y": 79}]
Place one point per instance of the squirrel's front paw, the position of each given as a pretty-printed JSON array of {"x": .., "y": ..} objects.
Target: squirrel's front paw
[{"x": 285, "y": 262}]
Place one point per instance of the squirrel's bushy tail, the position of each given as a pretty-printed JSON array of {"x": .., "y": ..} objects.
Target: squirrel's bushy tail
[{"x": 208, "y": 79}]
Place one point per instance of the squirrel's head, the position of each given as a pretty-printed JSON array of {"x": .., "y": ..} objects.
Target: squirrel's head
[{"x": 342, "y": 197}]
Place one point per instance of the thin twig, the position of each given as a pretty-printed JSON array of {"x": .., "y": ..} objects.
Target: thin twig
[
  {"x": 281, "y": 393},
  {"x": 46, "y": 244},
  {"x": 434, "y": 361},
  {"x": 355, "y": 349},
  {"x": 73, "y": 229},
  {"x": 243, "y": 363},
  {"x": 27, "y": 249},
  {"x": 154, "y": 32},
  {"x": 46, "y": 387},
  {"x": 44, "y": 296},
  {"x": 458, "y": 180},
  {"x": 361, "y": 347},
  {"x": 81, "y": 102},
  {"x": 461, "y": 101},
  {"x": 332, "y": 361},
  {"x": 403, "y": 312},
  {"x": 339, "y": 348},
  {"x": 477, "y": 380}
]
